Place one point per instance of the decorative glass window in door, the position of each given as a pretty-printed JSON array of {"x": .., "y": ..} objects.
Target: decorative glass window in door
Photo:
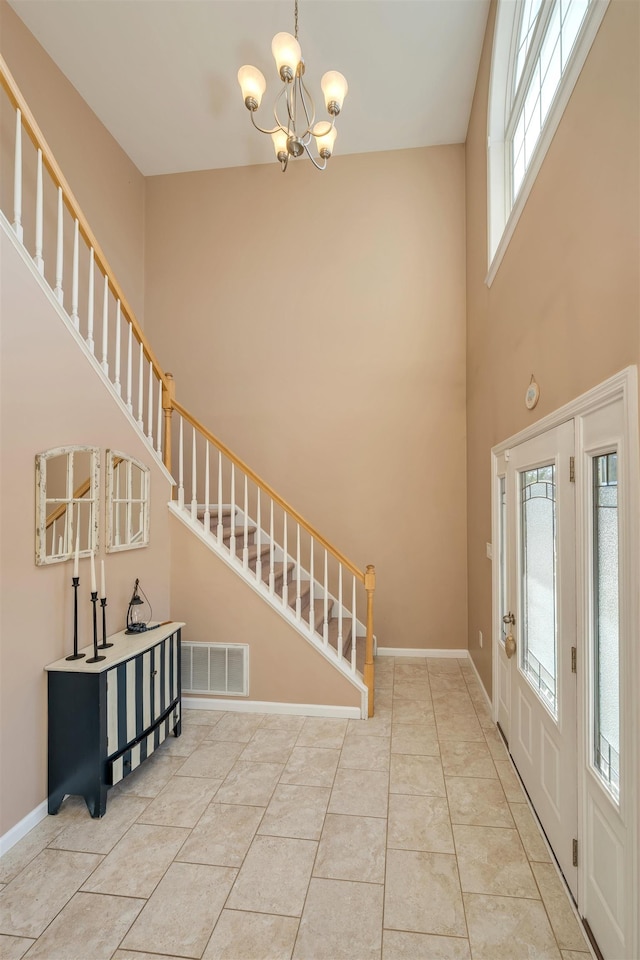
[
  {"x": 606, "y": 672},
  {"x": 538, "y": 647},
  {"x": 127, "y": 502},
  {"x": 67, "y": 485}
]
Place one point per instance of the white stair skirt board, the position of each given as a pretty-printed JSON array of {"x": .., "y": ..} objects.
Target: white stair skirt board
[
  {"x": 270, "y": 706},
  {"x": 21, "y": 829},
  {"x": 421, "y": 652}
]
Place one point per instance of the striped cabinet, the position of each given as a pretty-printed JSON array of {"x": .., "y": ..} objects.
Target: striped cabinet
[{"x": 106, "y": 718}]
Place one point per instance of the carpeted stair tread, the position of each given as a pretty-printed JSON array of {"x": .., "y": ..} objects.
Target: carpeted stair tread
[{"x": 213, "y": 512}]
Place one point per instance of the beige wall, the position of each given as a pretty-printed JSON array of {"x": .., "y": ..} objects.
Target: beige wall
[
  {"x": 218, "y": 607},
  {"x": 51, "y": 396},
  {"x": 564, "y": 304},
  {"x": 106, "y": 184},
  {"x": 316, "y": 323}
]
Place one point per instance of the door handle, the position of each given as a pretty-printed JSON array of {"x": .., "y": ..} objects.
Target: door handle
[{"x": 509, "y": 642}]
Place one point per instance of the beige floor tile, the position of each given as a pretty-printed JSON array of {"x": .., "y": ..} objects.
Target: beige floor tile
[
  {"x": 352, "y": 848},
  {"x": 459, "y": 727},
  {"x": 361, "y": 793},
  {"x": 478, "y": 802},
  {"x": 342, "y": 920},
  {"x": 30, "y": 902},
  {"x": 563, "y": 920},
  {"x": 419, "y": 823},
  {"x": 376, "y": 727},
  {"x": 532, "y": 841},
  {"x": 418, "y": 776},
  {"x": 574, "y": 955},
  {"x": 467, "y": 758},
  {"x": 492, "y": 860},
  {"x": 239, "y": 727},
  {"x": 443, "y": 666},
  {"x": 201, "y": 718},
  {"x": 250, "y": 783},
  {"x": 101, "y": 835},
  {"x": 443, "y": 684},
  {"x": 90, "y": 926},
  {"x": 419, "y": 739},
  {"x": 222, "y": 835},
  {"x": 496, "y": 744},
  {"x": 412, "y": 711},
  {"x": 422, "y": 894},
  {"x": 322, "y": 732},
  {"x": 186, "y": 743},
  {"x": 150, "y": 777},
  {"x": 14, "y": 948},
  {"x": 137, "y": 955},
  {"x": 270, "y": 745},
  {"x": 151, "y": 849},
  {"x": 455, "y": 706},
  {"x": 506, "y": 928},
  {"x": 180, "y": 916},
  {"x": 295, "y": 811},
  {"x": 423, "y": 946},
  {"x": 311, "y": 766},
  {"x": 510, "y": 782},
  {"x": 371, "y": 754},
  {"x": 252, "y": 936},
  {"x": 274, "y": 876},
  {"x": 411, "y": 689},
  {"x": 181, "y": 803},
  {"x": 212, "y": 760},
  {"x": 283, "y": 721},
  {"x": 23, "y": 852}
]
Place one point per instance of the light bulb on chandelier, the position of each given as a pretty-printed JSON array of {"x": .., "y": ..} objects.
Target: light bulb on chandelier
[{"x": 292, "y": 138}]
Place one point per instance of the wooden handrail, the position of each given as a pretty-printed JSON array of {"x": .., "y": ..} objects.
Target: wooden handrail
[
  {"x": 340, "y": 557},
  {"x": 37, "y": 138}
]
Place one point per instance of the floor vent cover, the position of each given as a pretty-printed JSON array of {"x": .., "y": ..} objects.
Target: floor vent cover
[{"x": 220, "y": 668}]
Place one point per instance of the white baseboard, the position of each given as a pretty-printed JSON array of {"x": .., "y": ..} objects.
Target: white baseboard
[
  {"x": 421, "y": 652},
  {"x": 482, "y": 686},
  {"x": 269, "y": 706},
  {"x": 21, "y": 829}
]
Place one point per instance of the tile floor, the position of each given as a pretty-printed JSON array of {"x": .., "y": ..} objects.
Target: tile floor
[{"x": 406, "y": 837}]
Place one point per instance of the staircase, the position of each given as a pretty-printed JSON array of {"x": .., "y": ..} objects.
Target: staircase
[{"x": 245, "y": 522}]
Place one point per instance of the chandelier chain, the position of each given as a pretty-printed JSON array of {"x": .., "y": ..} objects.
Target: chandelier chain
[{"x": 296, "y": 18}]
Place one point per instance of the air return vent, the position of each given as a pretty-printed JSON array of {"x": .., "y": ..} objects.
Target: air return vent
[{"x": 215, "y": 668}]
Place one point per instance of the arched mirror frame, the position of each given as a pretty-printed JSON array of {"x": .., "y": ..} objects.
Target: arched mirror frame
[
  {"x": 123, "y": 533},
  {"x": 83, "y": 495}
]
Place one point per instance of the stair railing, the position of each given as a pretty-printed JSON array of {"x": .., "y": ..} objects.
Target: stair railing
[{"x": 113, "y": 336}]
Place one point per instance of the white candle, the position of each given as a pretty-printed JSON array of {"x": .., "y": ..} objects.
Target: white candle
[
  {"x": 103, "y": 582},
  {"x": 94, "y": 589},
  {"x": 77, "y": 554}
]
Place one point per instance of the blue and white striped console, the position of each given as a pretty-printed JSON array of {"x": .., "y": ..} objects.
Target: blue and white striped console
[{"x": 106, "y": 718}]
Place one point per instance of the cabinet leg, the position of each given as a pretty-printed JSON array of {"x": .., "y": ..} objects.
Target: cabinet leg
[
  {"x": 177, "y": 730},
  {"x": 54, "y": 803},
  {"x": 97, "y": 803}
]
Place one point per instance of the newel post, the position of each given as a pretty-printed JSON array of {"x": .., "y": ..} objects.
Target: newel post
[
  {"x": 370, "y": 586},
  {"x": 168, "y": 396}
]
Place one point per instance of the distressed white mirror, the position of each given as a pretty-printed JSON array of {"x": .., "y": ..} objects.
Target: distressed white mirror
[
  {"x": 127, "y": 502},
  {"x": 67, "y": 487}
]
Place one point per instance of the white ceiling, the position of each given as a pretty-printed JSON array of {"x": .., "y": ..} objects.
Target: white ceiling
[{"x": 161, "y": 74}]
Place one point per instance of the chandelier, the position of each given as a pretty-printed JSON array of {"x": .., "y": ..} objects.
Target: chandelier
[{"x": 294, "y": 110}]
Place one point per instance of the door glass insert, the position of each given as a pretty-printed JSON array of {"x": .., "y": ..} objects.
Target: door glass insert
[
  {"x": 606, "y": 693},
  {"x": 502, "y": 570},
  {"x": 538, "y": 646}
]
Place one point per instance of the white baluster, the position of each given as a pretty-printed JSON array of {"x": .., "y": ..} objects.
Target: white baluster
[
  {"x": 150, "y": 406},
  {"x": 220, "y": 527},
  {"x": 141, "y": 387},
  {"x": 130, "y": 370},
  {"x": 271, "y": 552},
  {"x": 325, "y": 619},
  {"x": 353, "y": 627},
  {"x": 60, "y": 249},
  {"x": 60, "y": 547},
  {"x": 258, "y": 538},
  {"x": 232, "y": 541},
  {"x": 74, "y": 277},
  {"x": 340, "y": 611},
  {"x": 116, "y": 382},
  {"x": 90, "y": 300},
  {"x": 181, "y": 465},
  {"x": 39, "y": 262},
  {"x": 17, "y": 180},
  {"x": 159, "y": 420},
  {"x": 207, "y": 513},
  {"x": 298, "y": 598},
  {"x": 245, "y": 548},
  {"x": 194, "y": 478},
  {"x": 285, "y": 583},
  {"x": 53, "y": 538},
  {"x": 105, "y": 326},
  {"x": 312, "y": 616}
]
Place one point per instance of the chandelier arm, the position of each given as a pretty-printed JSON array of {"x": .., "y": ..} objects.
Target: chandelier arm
[
  {"x": 313, "y": 159},
  {"x": 310, "y": 120},
  {"x": 261, "y": 129}
]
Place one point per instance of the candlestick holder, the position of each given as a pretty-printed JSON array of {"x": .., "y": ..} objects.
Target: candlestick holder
[
  {"x": 104, "y": 645},
  {"x": 95, "y": 658},
  {"x": 75, "y": 583}
]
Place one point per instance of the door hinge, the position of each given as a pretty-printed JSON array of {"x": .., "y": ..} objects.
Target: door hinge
[
  {"x": 575, "y": 853},
  {"x": 572, "y": 469},
  {"x": 574, "y": 654}
]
